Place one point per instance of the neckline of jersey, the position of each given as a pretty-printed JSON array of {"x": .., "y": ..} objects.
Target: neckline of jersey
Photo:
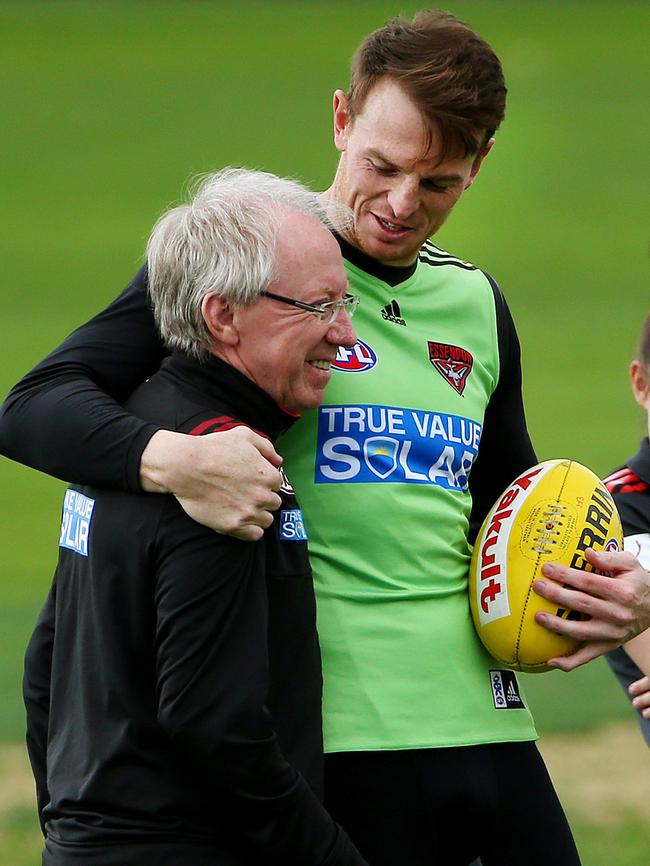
[{"x": 393, "y": 275}]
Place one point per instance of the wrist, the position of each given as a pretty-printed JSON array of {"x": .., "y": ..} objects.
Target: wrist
[{"x": 155, "y": 471}]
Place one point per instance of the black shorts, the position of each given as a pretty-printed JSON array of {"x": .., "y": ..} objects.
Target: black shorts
[{"x": 448, "y": 807}]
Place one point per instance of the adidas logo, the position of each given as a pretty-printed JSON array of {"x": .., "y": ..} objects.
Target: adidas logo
[
  {"x": 511, "y": 694},
  {"x": 391, "y": 312}
]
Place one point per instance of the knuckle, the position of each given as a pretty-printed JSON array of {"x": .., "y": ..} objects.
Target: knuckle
[
  {"x": 265, "y": 519},
  {"x": 268, "y": 474},
  {"x": 623, "y": 616},
  {"x": 265, "y": 500},
  {"x": 249, "y": 533},
  {"x": 232, "y": 527},
  {"x": 554, "y": 624}
]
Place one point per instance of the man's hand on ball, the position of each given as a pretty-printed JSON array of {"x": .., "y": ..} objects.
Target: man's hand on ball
[
  {"x": 640, "y": 694},
  {"x": 616, "y": 604},
  {"x": 227, "y": 481}
]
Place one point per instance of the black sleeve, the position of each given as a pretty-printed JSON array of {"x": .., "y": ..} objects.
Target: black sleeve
[
  {"x": 63, "y": 417},
  {"x": 36, "y": 695},
  {"x": 505, "y": 449},
  {"x": 212, "y": 673},
  {"x": 633, "y": 510}
]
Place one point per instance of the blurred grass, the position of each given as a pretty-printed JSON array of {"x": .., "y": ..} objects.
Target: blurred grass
[
  {"x": 109, "y": 107},
  {"x": 623, "y": 842},
  {"x": 21, "y": 842}
]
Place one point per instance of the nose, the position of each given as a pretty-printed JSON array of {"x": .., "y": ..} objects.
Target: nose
[
  {"x": 341, "y": 332},
  {"x": 403, "y": 197}
]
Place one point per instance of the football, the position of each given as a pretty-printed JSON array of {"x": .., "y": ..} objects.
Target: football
[{"x": 550, "y": 513}]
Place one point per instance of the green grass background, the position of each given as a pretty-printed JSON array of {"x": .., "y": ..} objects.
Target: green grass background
[{"x": 109, "y": 107}]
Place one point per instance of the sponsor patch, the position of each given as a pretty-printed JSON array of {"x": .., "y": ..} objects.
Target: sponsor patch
[
  {"x": 505, "y": 691},
  {"x": 492, "y": 588},
  {"x": 292, "y": 526},
  {"x": 453, "y": 363},
  {"x": 359, "y": 359},
  {"x": 369, "y": 443},
  {"x": 76, "y": 520}
]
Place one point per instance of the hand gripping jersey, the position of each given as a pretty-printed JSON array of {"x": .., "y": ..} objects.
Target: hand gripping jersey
[{"x": 383, "y": 483}]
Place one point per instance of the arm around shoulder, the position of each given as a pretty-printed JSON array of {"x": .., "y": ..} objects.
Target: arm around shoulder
[
  {"x": 225, "y": 480},
  {"x": 63, "y": 417}
]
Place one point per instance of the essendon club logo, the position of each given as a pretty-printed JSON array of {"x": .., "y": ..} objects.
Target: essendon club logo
[{"x": 453, "y": 363}]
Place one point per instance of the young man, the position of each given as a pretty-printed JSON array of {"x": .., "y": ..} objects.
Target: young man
[
  {"x": 423, "y": 429},
  {"x": 173, "y": 684}
]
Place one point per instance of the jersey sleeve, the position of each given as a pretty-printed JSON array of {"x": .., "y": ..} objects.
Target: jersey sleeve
[
  {"x": 505, "y": 449},
  {"x": 213, "y": 680},
  {"x": 63, "y": 417}
]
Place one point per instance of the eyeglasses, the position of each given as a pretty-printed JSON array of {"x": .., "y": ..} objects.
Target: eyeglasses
[{"x": 327, "y": 312}]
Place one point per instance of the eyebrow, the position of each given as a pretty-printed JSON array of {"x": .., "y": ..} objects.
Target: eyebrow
[{"x": 390, "y": 164}]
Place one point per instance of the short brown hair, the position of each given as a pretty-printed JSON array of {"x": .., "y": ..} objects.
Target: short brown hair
[{"x": 451, "y": 74}]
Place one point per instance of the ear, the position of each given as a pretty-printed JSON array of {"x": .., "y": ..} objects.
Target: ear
[
  {"x": 341, "y": 120},
  {"x": 219, "y": 319},
  {"x": 478, "y": 162},
  {"x": 640, "y": 384}
]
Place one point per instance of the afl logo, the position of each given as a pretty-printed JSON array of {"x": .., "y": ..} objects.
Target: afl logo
[
  {"x": 358, "y": 359},
  {"x": 612, "y": 544}
]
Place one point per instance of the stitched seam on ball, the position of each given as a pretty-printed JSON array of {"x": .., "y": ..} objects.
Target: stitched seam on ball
[{"x": 530, "y": 588}]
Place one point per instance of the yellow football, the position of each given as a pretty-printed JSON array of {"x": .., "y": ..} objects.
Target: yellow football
[{"x": 550, "y": 513}]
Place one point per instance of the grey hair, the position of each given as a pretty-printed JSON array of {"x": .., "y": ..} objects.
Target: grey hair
[{"x": 223, "y": 241}]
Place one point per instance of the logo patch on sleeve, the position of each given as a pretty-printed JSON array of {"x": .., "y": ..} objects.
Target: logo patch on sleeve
[
  {"x": 75, "y": 524},
  {"x": 505, "y": 691},
  {"x": 292, "y": 526}
]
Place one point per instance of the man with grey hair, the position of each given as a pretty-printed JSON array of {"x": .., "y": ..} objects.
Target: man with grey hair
[{"x": 173, "y": 683}]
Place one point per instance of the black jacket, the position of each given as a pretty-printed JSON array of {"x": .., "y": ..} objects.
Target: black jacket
[
  {"x": 173, "y": 682},
  {"x": 630, "y": 489}
]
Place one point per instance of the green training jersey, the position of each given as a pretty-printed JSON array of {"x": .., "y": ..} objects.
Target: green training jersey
[{"x": 383, "y": 472}]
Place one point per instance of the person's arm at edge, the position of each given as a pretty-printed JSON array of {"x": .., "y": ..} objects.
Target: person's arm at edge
[
  {"x": 640, "y": 695},
  {"x": 638, "y": 650}
]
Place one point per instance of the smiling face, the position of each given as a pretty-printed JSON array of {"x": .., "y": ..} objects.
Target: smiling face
[
  {"x": 391, "y": 175},
  {"x": 283, "y": 349}
]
